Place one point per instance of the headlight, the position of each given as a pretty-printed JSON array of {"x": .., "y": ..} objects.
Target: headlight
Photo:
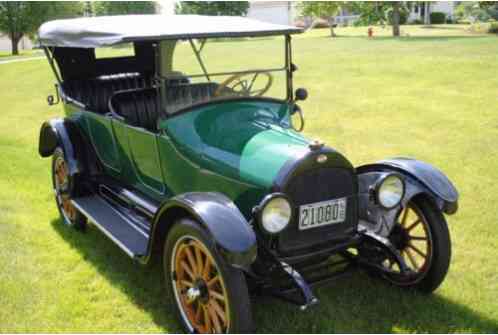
[
  {"x": 390, "y": 191},
  {"x": 275, "y": 213}
]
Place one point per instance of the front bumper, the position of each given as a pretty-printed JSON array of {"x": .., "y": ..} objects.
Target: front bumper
[{"x": 293, "y": 283}]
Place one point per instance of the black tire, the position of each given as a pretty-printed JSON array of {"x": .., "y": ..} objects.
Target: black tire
[
  {"x": 431, "y": 278},
  {"x": 240, "y": 316},
  {"x": 64, "y": 192}
]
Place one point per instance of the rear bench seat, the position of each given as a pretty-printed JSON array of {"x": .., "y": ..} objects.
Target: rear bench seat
[
  {"x": 134, "y": 98},
  {"x": 95, "y": 93}
]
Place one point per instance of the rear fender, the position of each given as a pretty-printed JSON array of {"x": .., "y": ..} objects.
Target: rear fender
[
  {"x": 54, "y": 133},
  {"x": 420, "y": 178},
  {"x": 232, "y": 234}
]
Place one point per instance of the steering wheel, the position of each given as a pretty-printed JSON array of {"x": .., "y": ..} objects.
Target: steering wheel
[{"x": 242, "y": 85}]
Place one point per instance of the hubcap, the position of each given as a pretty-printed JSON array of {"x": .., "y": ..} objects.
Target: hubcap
[
  {"x": 61, "y": 172},
  {"x": 199, "y": 288},
  {"x": 412, "y": 238}
]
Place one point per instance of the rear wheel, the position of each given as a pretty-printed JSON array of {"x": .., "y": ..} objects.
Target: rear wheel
[
  {"x": 422, "y": 238},
  {"x": 63, "y": 185},
  {"x": 210, "y": 295}
]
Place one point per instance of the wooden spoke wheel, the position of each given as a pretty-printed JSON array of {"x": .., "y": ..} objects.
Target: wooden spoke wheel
[
  {"x": 211, "y": 296},
  {"x": 62, "y": 187},
  {"x": 421, "y": 236},
  {"x": 199, "y": 287}
]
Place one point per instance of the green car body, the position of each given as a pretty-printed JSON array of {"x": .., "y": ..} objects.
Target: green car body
[{"x": 143, "y": 147}]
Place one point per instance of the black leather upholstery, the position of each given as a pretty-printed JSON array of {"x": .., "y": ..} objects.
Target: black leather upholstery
[
  {"x": 182, "y": 96},
  {"x": 139, "y": 108},
  {"x": 95, "y": 93},
  {"x": 133, "y": 97}
]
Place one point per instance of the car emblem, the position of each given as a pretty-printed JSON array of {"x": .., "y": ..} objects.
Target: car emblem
[{"x": 321, "y": 158}]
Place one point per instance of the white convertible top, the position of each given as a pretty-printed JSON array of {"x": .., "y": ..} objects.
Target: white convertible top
[{"x": 93, "y": 32}]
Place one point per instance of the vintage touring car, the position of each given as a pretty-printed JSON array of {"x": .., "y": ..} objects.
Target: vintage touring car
[{"x": 183, "y": 143}]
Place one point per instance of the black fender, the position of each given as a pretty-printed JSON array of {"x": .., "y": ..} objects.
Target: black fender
[
  {"x": 420, "y": 178},
  {"x": 54, "y": 133},
  {"x": 232, "y": 234}
]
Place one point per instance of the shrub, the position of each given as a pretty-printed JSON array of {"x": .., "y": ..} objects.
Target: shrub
[
  {"x": 493, "y": 28},
  {"x": 417, "y": 21},
  {"x": 438, "y": 17}
]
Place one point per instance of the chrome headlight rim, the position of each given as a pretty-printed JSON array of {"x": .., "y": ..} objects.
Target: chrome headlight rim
[
  {"x": 381, "y": 181},
  {"x": 263, "y": 205}
]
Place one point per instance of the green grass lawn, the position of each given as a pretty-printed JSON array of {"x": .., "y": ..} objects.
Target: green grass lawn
[
  {"x": 433, "y": 95},
  {"x": 7, "y": 55}
]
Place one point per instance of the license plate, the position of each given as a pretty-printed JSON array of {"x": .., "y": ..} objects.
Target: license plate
[{"x": 322, "y": 213}]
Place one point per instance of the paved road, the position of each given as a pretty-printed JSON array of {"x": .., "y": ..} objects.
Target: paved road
[{"x": 22, "y": 59}]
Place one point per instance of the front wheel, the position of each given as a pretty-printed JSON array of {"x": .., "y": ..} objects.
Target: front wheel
[
  {"x": 210, "y": 295},
  {"x": 422, "y": 238}
]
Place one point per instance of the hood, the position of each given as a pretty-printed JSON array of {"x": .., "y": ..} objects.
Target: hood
[
  {"x": 267, "y": 152},
  {"x": 248, "y": 141}
]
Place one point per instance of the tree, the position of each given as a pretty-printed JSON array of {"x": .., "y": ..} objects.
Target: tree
[
  {"x": 395, "y": 18},
  {"x": 19, "y": 18},
  {"x": 382, "y": 11},
  {"x": 326, "y": 10},
  {"x": 477, "y": 10},
  {"x": 231, "y": 8},
  {"x": 123, "y": 7}
]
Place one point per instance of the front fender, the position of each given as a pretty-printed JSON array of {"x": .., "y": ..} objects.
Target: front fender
[
  {"x": 420, "y": 178},
  {"x": 233, "y": 236}
]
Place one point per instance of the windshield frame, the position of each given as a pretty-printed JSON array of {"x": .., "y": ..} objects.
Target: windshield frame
[{"x": 168, "y": 52}]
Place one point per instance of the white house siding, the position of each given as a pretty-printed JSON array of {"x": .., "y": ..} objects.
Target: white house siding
[
  {"x": 279, "y": 12},
  {"x": 165, "y": 7},
  {"x": 447, "y": 7},
  {"x": 5, "y": 44}
]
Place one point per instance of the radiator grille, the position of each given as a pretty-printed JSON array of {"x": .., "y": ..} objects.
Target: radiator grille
[{"x": 314, "y": 186}]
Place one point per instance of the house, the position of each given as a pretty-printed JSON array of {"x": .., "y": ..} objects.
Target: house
[
  {"x": 6, "y": 46},
  {"x": 345, "y": 17},
  {"x": 419, "y": 9},
  {"x": 280, "y": 12},
  {"x": 287, "y": 12}
]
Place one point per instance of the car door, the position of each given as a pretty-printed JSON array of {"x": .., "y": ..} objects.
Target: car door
[
  {"x": 144, "y": 159},
  {"x": 102, "y": 137}
]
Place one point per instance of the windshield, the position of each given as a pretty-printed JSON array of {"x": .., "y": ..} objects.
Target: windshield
[{"x": 200, "y": 71}]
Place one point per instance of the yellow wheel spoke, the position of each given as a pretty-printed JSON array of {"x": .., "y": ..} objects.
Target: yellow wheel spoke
[
  {"x": 213, "y": 281},
  {"x": 186, "y": 283},
  {"x": 187, "y": 269},
  {"x": 412, "y": 259},
  {"x": 200, "y": 265},
  {"x": 198, "y": 313},
  {"x": 417, "y": 250},
  {"x": 219, "y": 310},
  {"x": 216, "y": 295},
  {"x": 405, "y": 215},
  {"x": 418, "y": 238},
  {"x": 215, "y": 320},
  {"x": 207, "y": 268},
  {"x": 207, "y": 320},
  {"x": 192, "y": 261},
  {"x": 414, "y": 224}
]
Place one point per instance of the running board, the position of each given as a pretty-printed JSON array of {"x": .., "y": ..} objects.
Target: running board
[{"x": 121, "y": 229}]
